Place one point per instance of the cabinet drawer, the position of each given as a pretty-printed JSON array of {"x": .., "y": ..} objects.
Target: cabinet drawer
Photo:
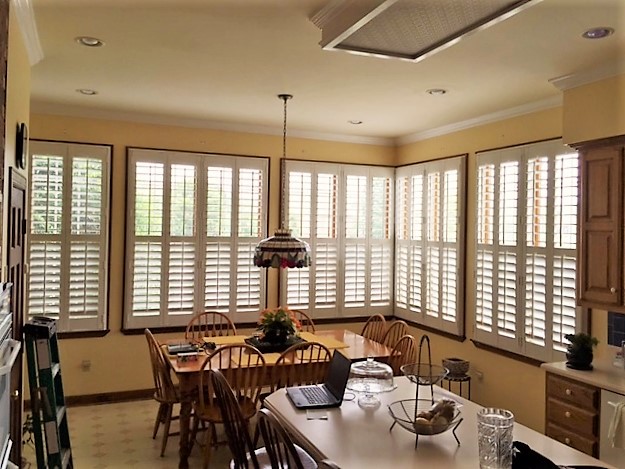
[
  {"x": 582, "y": 422},
  {"x": 573, "y": 392},
  {"x": 569, "y": 438}
]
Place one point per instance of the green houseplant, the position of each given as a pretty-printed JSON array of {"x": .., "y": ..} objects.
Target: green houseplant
[
  {"x": 579, "y": 353},
  {"x": 277, "y": 325}
]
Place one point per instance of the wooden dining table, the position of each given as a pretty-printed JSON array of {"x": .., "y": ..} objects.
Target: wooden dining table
[{"x": 352, "y": 345}]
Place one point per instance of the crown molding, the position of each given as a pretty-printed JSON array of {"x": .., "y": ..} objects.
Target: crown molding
[
  {"x": 71, "y": 111},
  {"x": 482, "y": 120},
  {"x": 574, "y": 80},
  {"x": 26, "y": 18}
]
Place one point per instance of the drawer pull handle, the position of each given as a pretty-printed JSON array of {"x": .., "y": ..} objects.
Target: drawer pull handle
[
  {"x": 567, "y": 414},
  {"x": 612, "y": 290},
  {"x": 567, "y": 441},
  {"x": 568, "y": 392}
]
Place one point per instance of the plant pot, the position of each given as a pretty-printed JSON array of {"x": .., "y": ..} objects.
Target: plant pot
[
  {"x": 580, "y": 360},
  {"x": 276, "y": 336}
]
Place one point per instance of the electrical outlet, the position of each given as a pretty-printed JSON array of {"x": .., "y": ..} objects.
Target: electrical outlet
[
  {"x": 478, "y": 374},
  {"x": 85, "y": 365}
]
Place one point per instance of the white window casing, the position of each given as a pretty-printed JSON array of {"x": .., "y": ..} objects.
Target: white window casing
[
  {"x": 68, "y": 246},
  {"x": 193, "y": 223},
  {"x": 430, "y": 245},
  {"x": 345, "y": 213},
  {"x": 527, "y": 200}
]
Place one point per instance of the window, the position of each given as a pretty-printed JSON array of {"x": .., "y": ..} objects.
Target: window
[
  {"x": 429, "y": 244},
  {"x": 69, "y": 234},
  {"x": 193, "y": 223},
  {"x": 345, "y": 212},
  {"x": 526, "y": 249}
]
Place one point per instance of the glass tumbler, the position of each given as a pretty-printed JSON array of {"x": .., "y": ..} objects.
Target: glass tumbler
[{"x": 494, "y": 438}]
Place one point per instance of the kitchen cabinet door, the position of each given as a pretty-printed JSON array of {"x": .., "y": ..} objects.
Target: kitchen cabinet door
[{"x": 600, "y": 259}]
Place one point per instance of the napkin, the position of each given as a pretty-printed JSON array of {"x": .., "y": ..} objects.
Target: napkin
[{"x": 616, "y": 432}]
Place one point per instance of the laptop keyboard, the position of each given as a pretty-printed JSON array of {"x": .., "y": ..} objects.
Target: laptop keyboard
[{"x": 314, "y": 395}]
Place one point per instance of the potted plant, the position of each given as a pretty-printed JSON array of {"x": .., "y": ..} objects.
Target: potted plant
[
  {"x": 277, "y": 325},
  {"x": 579, "y": 353}
]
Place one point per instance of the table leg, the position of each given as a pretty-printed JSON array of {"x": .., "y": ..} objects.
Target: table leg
[{"x": 186, "y": 404}]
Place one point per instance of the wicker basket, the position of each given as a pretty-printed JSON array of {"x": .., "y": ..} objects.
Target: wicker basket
[{"x": 456, "y": 366}]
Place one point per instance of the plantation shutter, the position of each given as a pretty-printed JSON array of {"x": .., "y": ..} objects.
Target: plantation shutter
[
  {"x": 431, "y": 199},
  {"x": 68, "y": 247},
  {"x": 526, "y": 248},
  {"x": 345, "y": 213},
  {"x": 193, "y": 253}
]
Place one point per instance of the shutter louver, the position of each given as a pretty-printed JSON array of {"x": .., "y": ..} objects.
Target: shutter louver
[
  {"x": 248, "y": 279},
  {"x": 300, "y": 205},
  {"x": 432, "y": 299},
  {"x": 181, "y": 277},
  {"x": 250, "y": 203},
  {"x": 485, "y": 274},
  {"x": 449, "y": 294},
  {"x": 506, "y": 293},
  {"x": 380, "y": 275},
  {"x": 219, "y": 202},
  {"x": 46, "y": 195},
  {"x": 148, "y": 190},
  {"x": 355, "y": 268},
  {"x": 326, "y": 278},
  {"x": 217, "y": 278},
  {"x": 298, "y": 287},
  {"x": 45, "y": 279},
  {"x": 147, "y": 279},
  {"x": 535, "y": 298},
  {"x": 401, "y": 276},
  {"x": 417, "y": 274},
  {"x": 182, "y": 200},
  {"x": 84, "y": 279},
  {"x": 86, "y": 196},
  {"x": 564, "y": 303}
]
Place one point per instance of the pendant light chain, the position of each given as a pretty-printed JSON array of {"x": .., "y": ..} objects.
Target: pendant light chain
[{"x": 284, "y": 98}]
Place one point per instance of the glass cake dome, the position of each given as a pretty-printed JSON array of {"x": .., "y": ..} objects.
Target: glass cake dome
[{"x": 369, "y": 378}]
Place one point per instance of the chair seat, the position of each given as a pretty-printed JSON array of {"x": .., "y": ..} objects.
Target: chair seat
[{"x": 264, "y": 462}]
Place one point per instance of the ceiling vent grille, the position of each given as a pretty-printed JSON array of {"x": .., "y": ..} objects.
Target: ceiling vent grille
[{"x": 407, "y": 29}]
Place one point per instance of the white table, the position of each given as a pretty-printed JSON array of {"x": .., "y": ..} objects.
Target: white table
[{"x": 355, "y": 438}]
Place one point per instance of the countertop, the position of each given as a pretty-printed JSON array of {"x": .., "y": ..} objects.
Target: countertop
[{"x": 604, "y": 375}]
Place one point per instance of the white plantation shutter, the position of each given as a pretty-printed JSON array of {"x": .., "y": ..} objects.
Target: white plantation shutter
[
  {"x": 345, "y": 212},
  {"x": 68, "y": 249},
  {"x": 430, "y": 200},
  {"x": 195, "y": 220},
  {"x": 526, "y": 248}
]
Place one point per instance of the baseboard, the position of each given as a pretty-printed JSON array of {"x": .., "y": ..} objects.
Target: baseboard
[{"x": 104, "y": 398}]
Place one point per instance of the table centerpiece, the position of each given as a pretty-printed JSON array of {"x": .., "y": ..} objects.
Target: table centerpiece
[{"x": 278, "y": 330}]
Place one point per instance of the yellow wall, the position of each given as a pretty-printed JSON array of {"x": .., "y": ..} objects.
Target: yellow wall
[
  {"x": 109, "y": 354},
  {"x": 594, "y": 111},
  {"x": 17, "y": 107}
]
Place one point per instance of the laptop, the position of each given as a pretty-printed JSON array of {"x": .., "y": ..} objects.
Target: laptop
[{"x": 328, "y": 394}]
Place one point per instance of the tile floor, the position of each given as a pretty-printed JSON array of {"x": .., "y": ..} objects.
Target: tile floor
[{"x": 117, "y": 436}]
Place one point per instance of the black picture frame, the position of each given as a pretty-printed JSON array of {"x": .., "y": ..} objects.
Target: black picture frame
[{"x": 21, "y": 146}]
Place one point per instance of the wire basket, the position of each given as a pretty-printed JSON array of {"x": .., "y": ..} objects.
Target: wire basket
[
  {"x": 424, "y": 374},
  {"x": 404, "y": 412}
]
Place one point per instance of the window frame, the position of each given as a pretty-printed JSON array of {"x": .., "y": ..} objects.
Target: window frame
[
  {"x": 407, "y": 273},
  {"x": 341, "y": 172},
  {"x": 199, "y": 239},
  {"x": 518, "y": 343},
  {"x": 68, "y": 152}
]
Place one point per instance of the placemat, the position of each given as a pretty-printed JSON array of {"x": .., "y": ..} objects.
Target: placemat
[{"x": 329, "y": 342}]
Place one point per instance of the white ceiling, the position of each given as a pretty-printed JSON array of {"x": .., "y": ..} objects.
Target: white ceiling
[{"x": 221, "y": 63}]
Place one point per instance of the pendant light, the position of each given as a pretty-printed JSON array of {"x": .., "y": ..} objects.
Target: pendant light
[{"x": 282, "y": 250}]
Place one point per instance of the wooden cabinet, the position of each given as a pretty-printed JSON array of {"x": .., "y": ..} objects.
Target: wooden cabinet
[
  {"x": 572, "y": 413},
  {"x": 600, "y": 243}
]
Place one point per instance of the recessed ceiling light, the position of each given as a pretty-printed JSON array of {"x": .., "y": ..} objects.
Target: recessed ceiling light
[
  {"x": 86, "y": 91},
  {"x": 436, "y": 91},
  {"x": 354, "y": 122},
  {"x": 89, "y": 41},
  {"x": 598, "y": 33}
]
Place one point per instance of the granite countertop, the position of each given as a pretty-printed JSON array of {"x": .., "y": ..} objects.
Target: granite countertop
[{"x": 604, "y": 375}]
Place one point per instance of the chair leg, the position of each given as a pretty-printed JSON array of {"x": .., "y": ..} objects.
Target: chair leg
[
  {"x": 196, "y": 424},
  {"x": 169, "y": 409},
  {"x": 159, "y": 419},
  {"x": 210, "y": 433}
]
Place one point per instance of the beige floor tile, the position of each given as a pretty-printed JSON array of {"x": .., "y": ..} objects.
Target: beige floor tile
[{"x": 117, "y": 436}]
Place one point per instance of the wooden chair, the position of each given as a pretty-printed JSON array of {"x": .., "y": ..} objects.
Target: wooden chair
[
  {"x": 209, "y": 324},
  {"x": 404, "y": 352},
  {"x": 327, "y": 464},
  {"x": 236, "y": 426},
  {"x": 374, "y": 328},
  {"x": 165, "y": 392},
  {"x": 301, "y": 364},
  {"x": 282, "y": 452},
  {"x": 243, "y": 366},
  {"x": 306, "y": 321},
  {"x": 395, "y": 331}
]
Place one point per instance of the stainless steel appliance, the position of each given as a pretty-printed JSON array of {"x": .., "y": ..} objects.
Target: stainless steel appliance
[{"x": 613, "y": 456}]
